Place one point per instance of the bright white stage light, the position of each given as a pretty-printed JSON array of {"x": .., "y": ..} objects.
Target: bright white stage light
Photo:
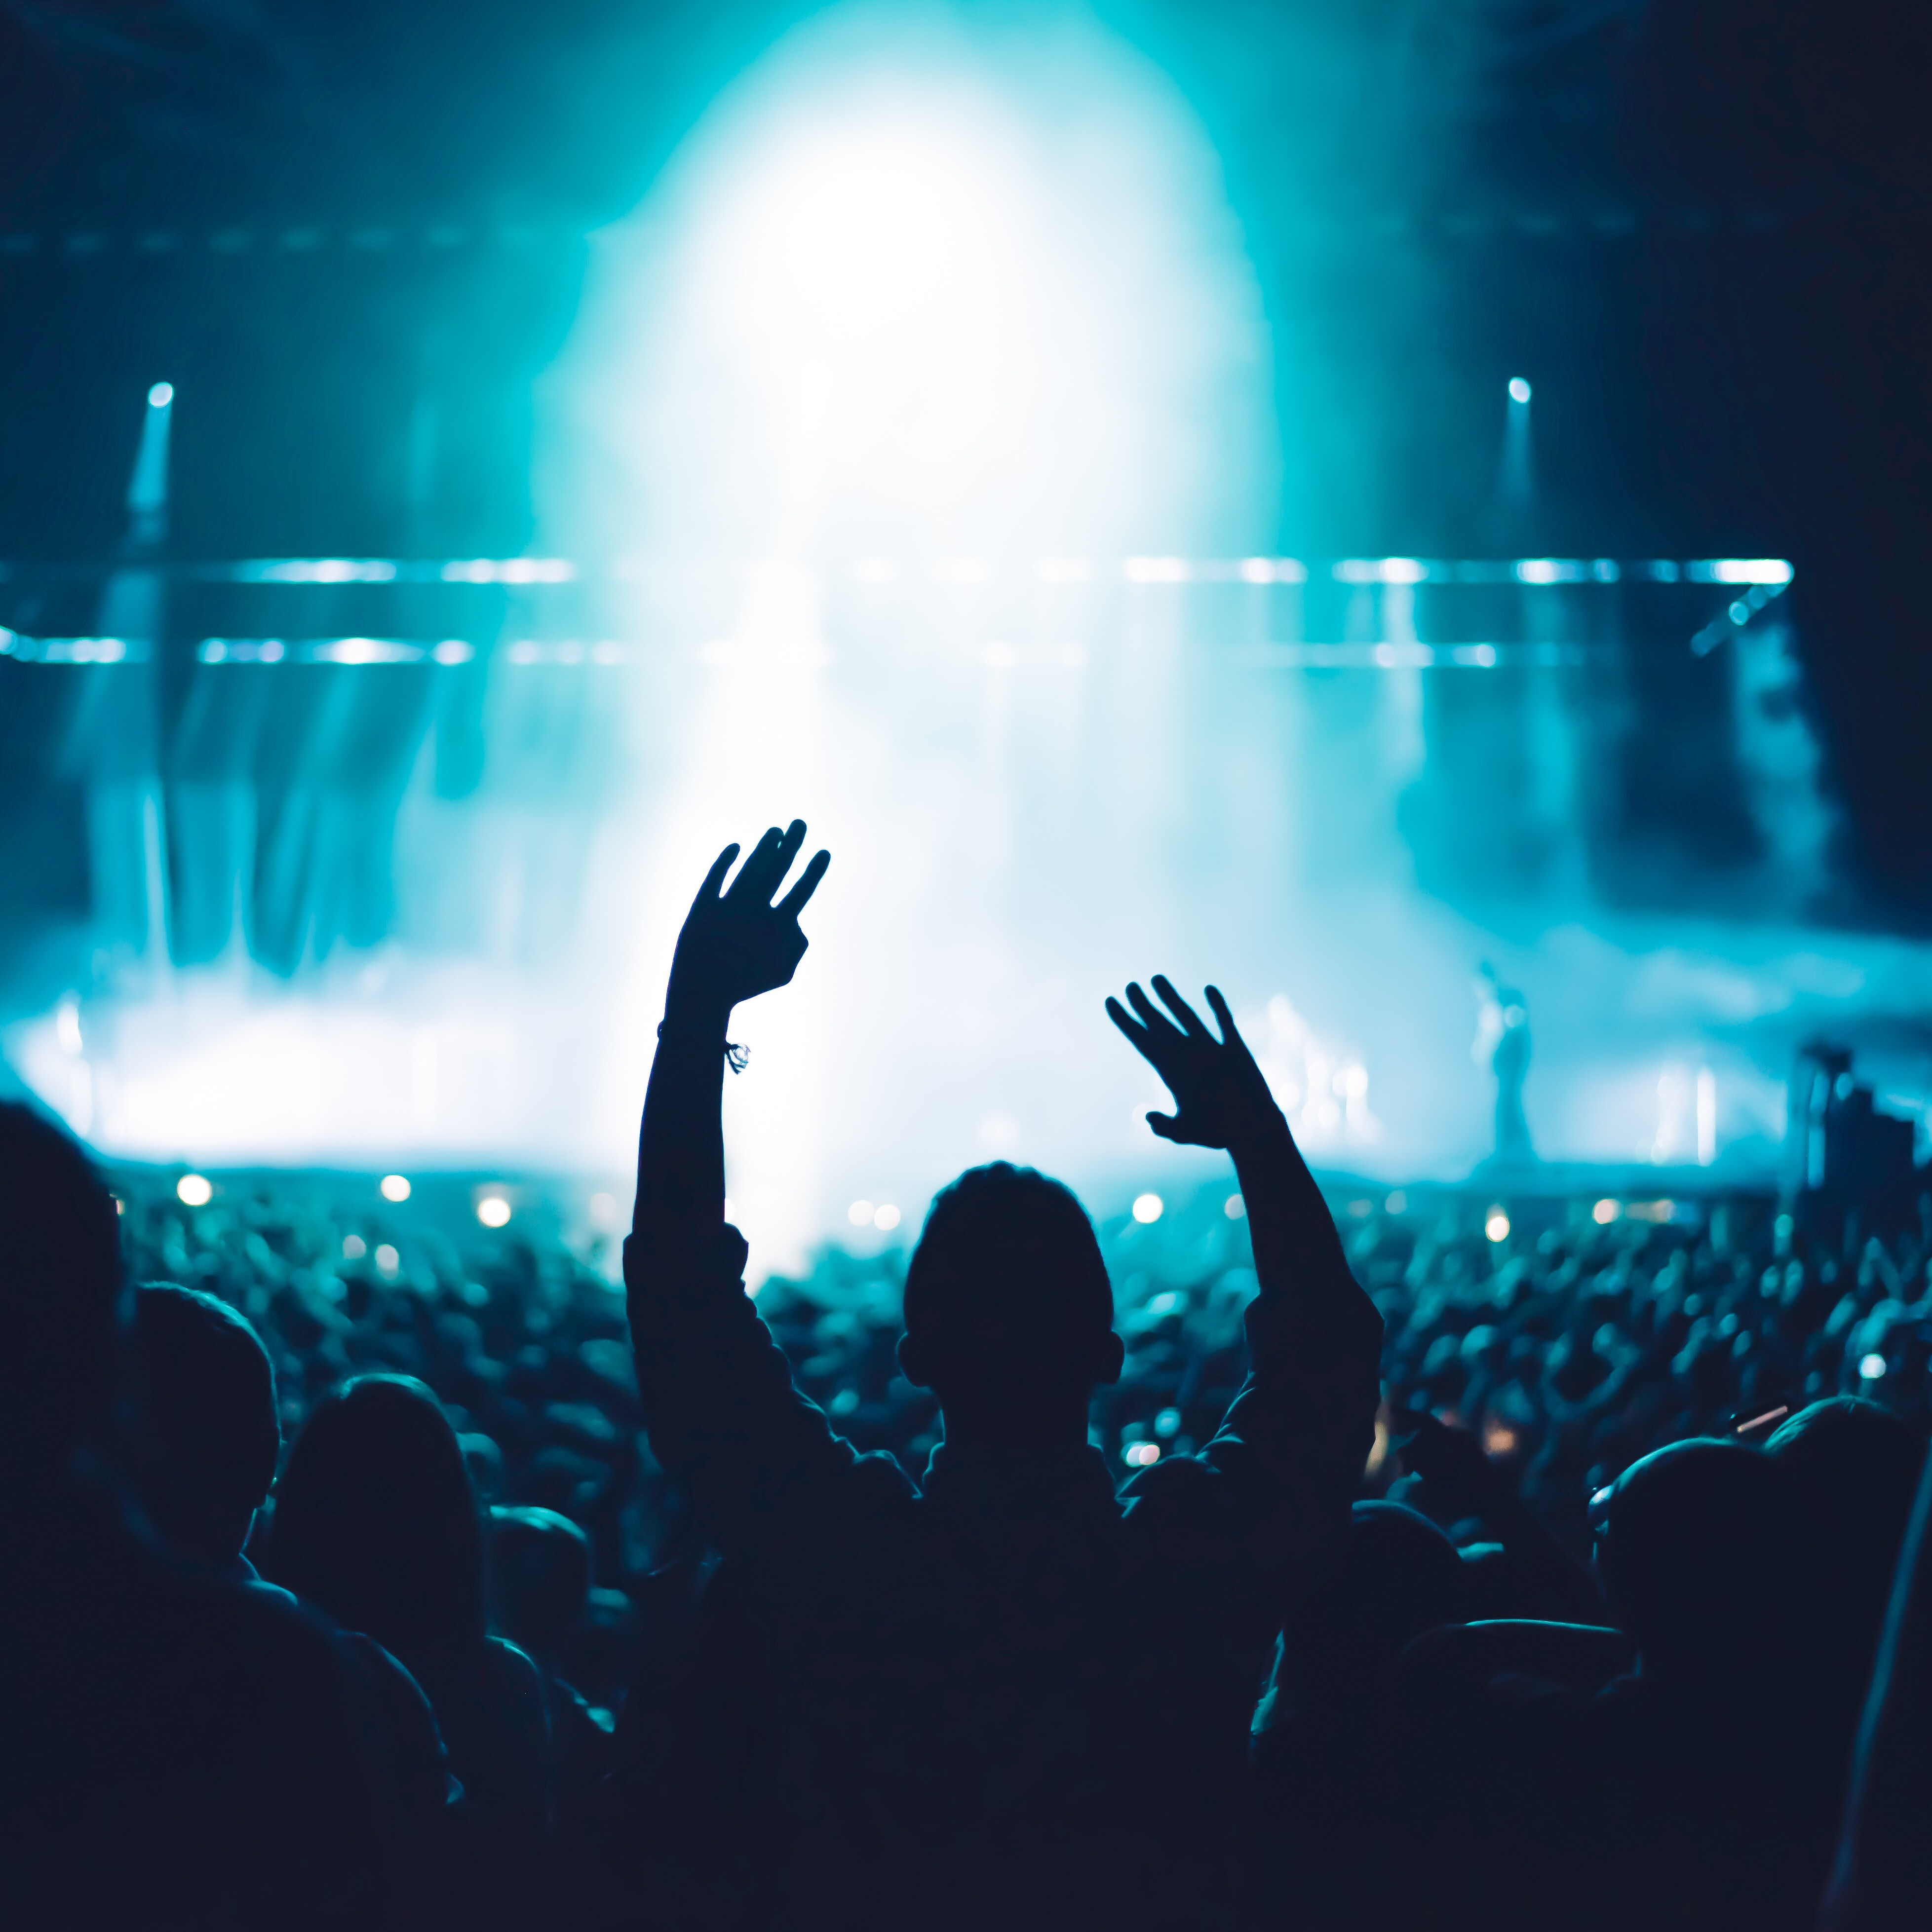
[
  {"x": 914, "y": 294},
  {"x": 1147, "y": 1208},
  {"x": 493, "y": 1211},
  {"x": 1497, "y": 1227},
  {"x": 885, "y": 1217},
  {"x": 1519, "y": 389},
  {"x": 195, "y": 1190},
  {"x": 394, "y": 1187},
  {"x": 160, "y": 395}
]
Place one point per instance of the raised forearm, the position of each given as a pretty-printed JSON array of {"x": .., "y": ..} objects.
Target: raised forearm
[
  {"x": 1292, "y": 1233},
  {"x": 680, "y": 1158}
]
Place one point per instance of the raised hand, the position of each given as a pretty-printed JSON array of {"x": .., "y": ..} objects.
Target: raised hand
[
  {"x": 736, "y": 943},
  {"x": 1220, "y": 1095}
]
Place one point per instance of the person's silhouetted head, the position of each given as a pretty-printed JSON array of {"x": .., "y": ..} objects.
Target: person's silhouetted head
[
  {"x": 1701, "y": 1550},
  {"x": 540, "y": 1575},
  {"x": 63, "y": 1293},
  {"x": 1394, "y": 1575},
  {"x": 205, "y": 1396},
  {"x": 1858, "y": 1465},
  {"x": 376, "y": 1522},
  {"x": 1009, "y": 1313}
]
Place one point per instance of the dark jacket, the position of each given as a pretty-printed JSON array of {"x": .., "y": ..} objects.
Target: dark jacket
[{"x": 1008, "y": 1696}]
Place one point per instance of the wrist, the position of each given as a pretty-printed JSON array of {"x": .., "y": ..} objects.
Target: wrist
[
  {"x": 1263, "y": 1132},
  {"x": 697, "y": 1014},
  {"x": 702, "y": 1027}
]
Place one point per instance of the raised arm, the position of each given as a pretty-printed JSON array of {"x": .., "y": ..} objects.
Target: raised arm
[
  {"x": 735, "y": 944},
  {"x": 1314, "y": 1339},
  {"x": 718, "y": 1403},
  {"x": 1221, "y": 1100}
]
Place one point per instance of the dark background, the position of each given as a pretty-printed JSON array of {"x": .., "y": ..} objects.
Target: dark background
[{"x": 1700, "y": 225}]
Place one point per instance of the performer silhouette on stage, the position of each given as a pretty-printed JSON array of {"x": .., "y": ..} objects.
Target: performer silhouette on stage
[{"x": 1503, "y": 1044}]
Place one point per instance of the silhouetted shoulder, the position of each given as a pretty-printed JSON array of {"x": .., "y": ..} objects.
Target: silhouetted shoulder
[
  {"x": 512, "y": 1674},
  {"x": 1188, "y": 1495},
  {"x": 204, "y": 1753},
  {"x": 417, "y": 1765}
]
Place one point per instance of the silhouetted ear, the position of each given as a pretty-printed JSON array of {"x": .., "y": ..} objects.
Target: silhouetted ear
[
  {"x": 1113, "y": 1358},
  {"x": 914, "y": 1366}
]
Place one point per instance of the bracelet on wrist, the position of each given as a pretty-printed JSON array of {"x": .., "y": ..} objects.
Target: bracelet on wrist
[{"x": 736, "y": 1056}]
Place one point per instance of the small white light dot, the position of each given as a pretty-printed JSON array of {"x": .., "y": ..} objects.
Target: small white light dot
[
  {"x": 160, "y": 395},
  {"x": 1498, "y": 1225},
  {"x": 394, "y": 1187},
  {"x": 196, "y": 1190},
  {"x": 353, "y": 1247},
  {"x": 1872, "y": 1367},
  {"x": 885, "y": 1217},
  {"x": 1138, "y": 1455},
  {"x": 1605, "y": 1211},
  {"x": 1397, "y": 1203},
  {"x": 1234, "y": 1208},
  {"x": 1519, "y": 390},
  {"x": 1147, "y": 1207},
  {"x": 493, "y": 1211},
  {"x": 860, "y": 1213},
  {"x": 388, "y": 1261}
]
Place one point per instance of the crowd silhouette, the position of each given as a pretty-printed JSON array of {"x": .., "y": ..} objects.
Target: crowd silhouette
[{"x": 1392, "y": 1579}]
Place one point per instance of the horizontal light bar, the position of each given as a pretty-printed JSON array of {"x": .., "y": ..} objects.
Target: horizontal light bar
[
  {"x": 881, "y": 570},
  {"x": 1386, "y": 655},
  {"x": 1609, "y": 222},
  {"x": 72, "y": 650},
  {"x": 333, "y": 650},
  {"x": 1740, "y": 570}
]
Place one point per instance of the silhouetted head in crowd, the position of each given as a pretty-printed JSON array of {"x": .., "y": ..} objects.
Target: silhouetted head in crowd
[
  {"x": 1394, "y": 1575},
  {"x": 1858, "y": 1465},
  {"x": 540, "y": 1572},
  {"x": 376, "y": 1522},
  {"x": 1701, "y": 1549},
  {"x": 62, "y": 1295},
  {"x": 204, "y": 1395},
  {"x": 1009, "y": 1313}
]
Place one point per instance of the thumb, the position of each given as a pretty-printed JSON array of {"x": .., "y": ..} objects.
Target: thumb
[{"x": 1167, "y": 1126}]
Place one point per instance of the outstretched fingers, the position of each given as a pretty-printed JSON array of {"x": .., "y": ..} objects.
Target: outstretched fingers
[
  {"x": 714, "y": 880},
  {"x": 1190, "y": 1021},
  {"x": 793, "y": 903},
  {"x": 759, "y": 876},
  {"x": 1223, "y": 1017},
  {"x": 1156, "y": 1022}
]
